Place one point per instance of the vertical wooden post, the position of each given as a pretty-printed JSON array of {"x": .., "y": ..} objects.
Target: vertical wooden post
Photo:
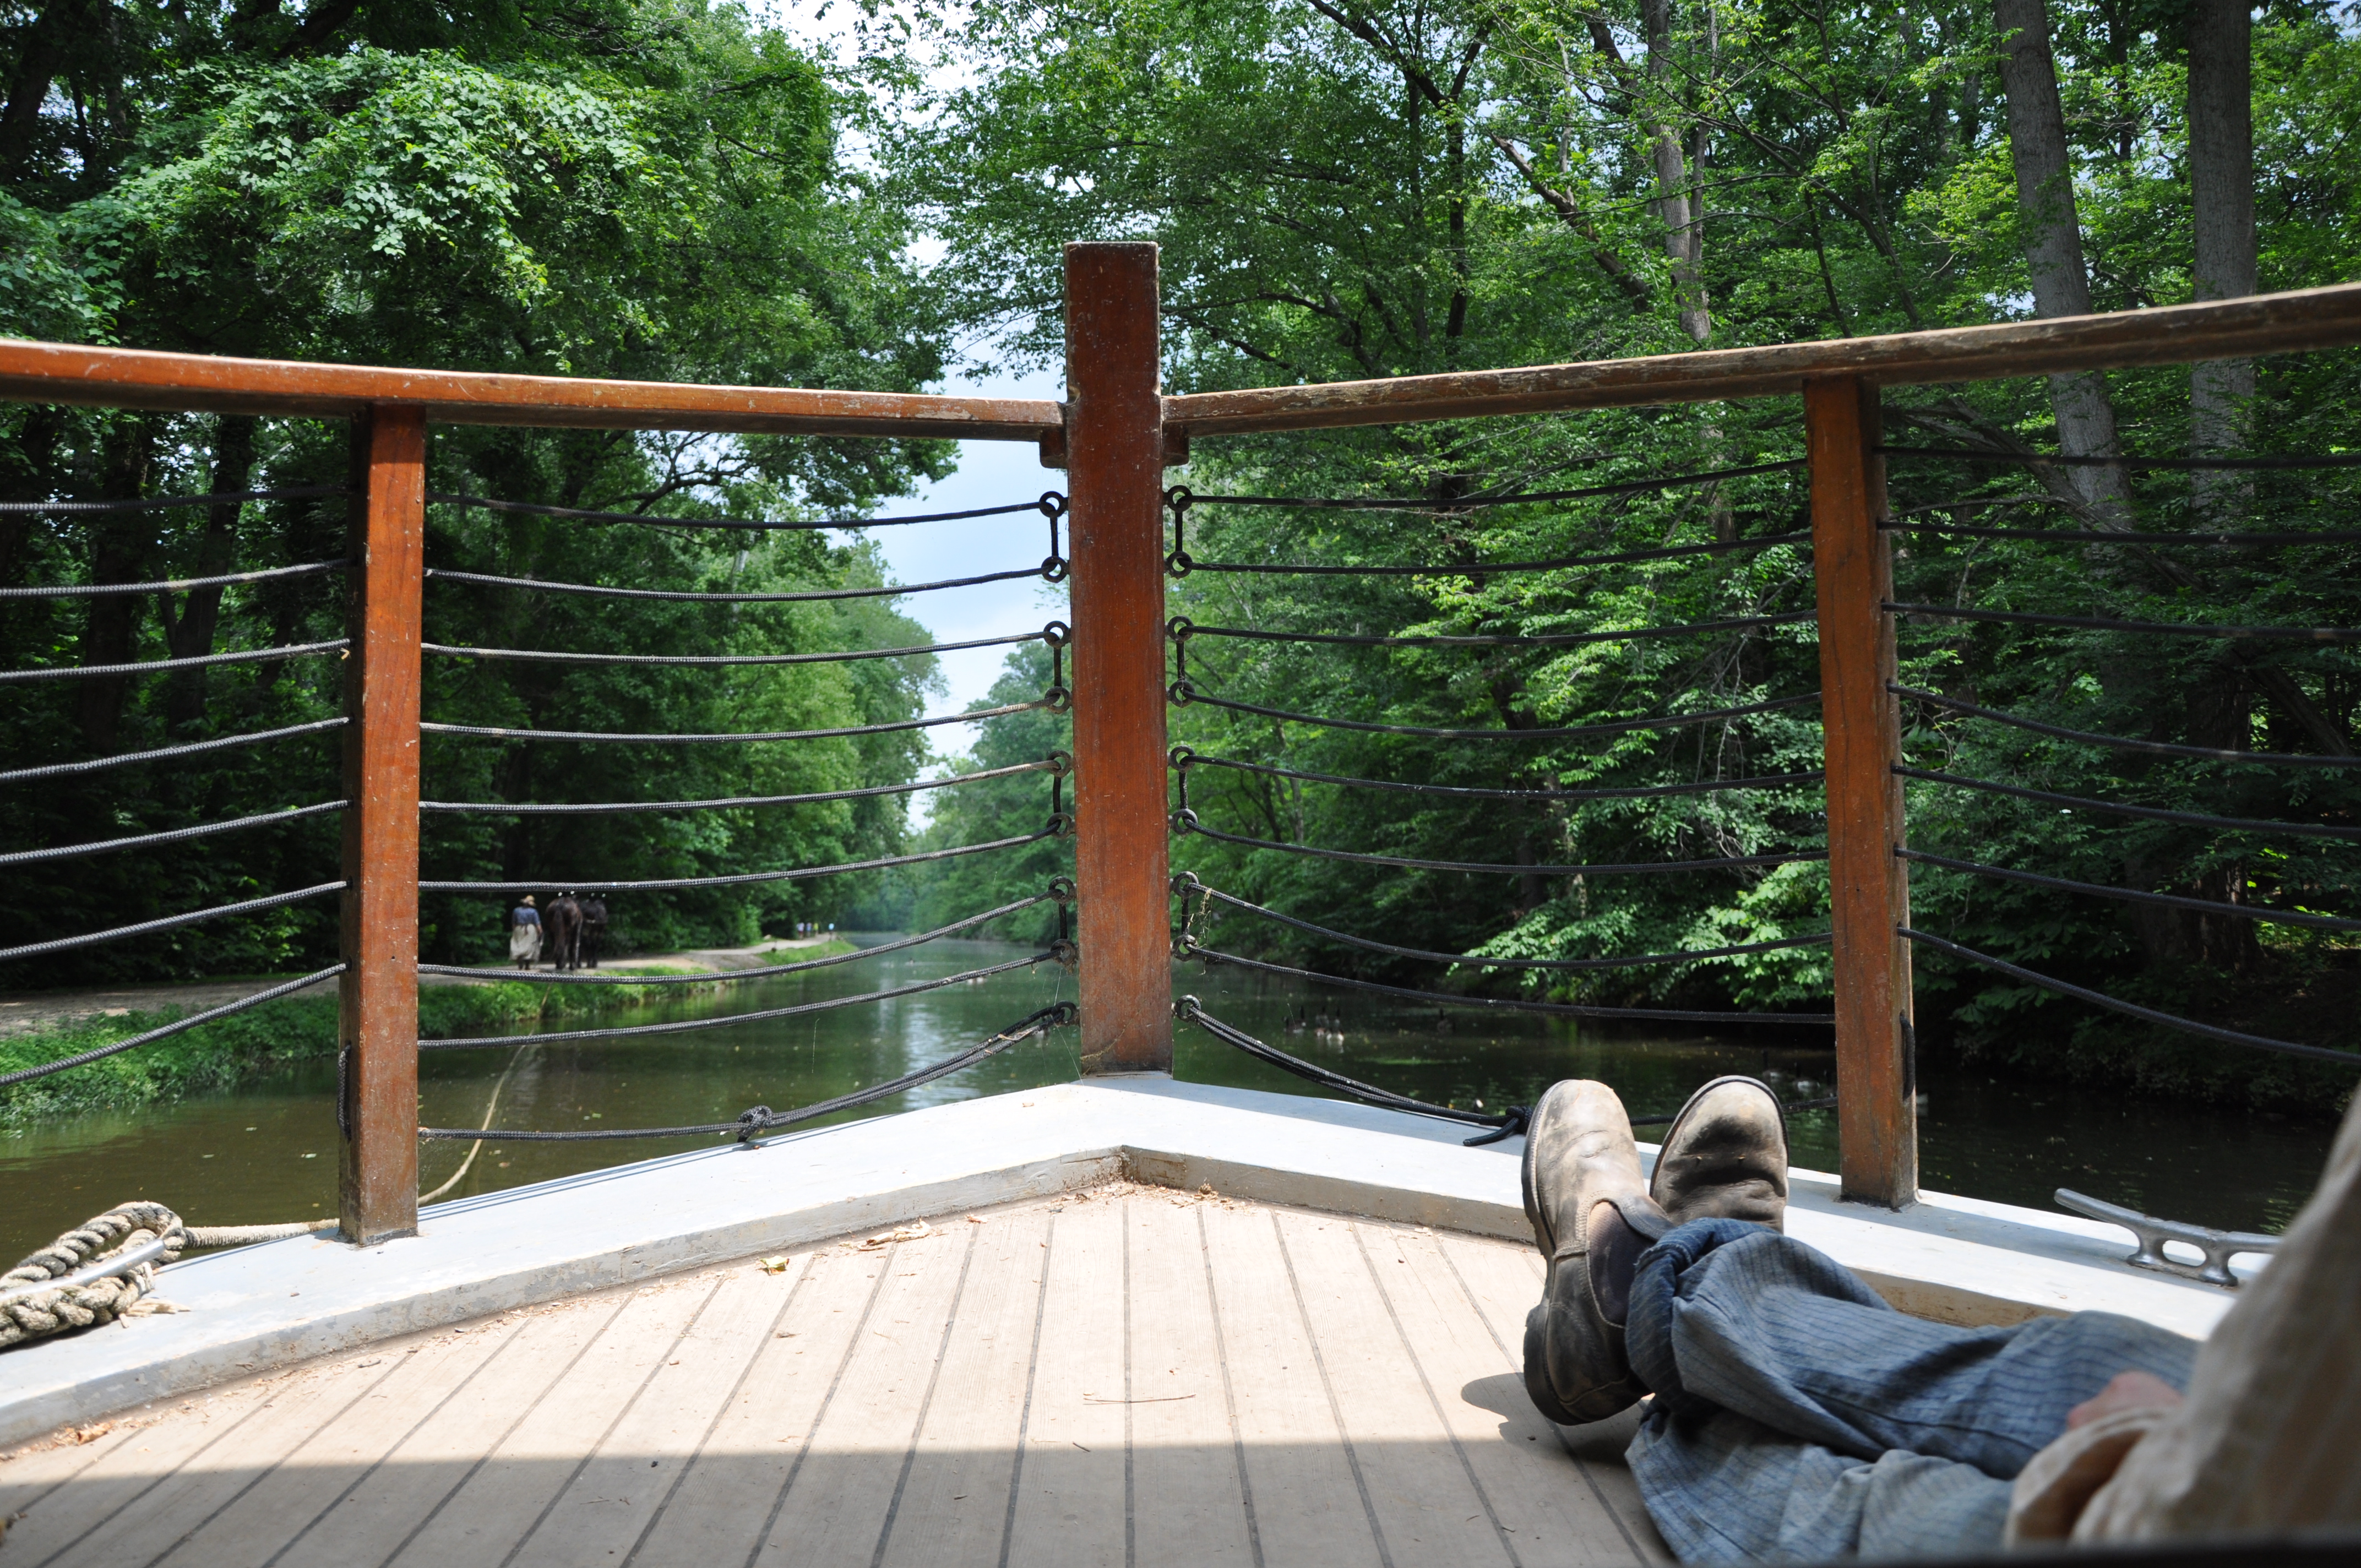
[
  {"x": 376, "y": 1063},
  {"x": 1115, "y": 479},
  {"x": 1852, "y": 569}
]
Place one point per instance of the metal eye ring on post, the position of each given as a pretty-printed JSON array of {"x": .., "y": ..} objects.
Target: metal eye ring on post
[
  {"x": 1057, "y": 634},
  {"x": 1053, "y": 568},
  {"x": 1183, "y": 821},
  {"x": 1054, "y": 504},
  {"x": 1180, "y": 757},
  {"x": 1061, "y": 888},
  {"x": 1062, "y": 765},
  {"x": 1181, "y": 694},
  {"x": 1057, "y": 699},
  {"x": 1062, "y": 825}
]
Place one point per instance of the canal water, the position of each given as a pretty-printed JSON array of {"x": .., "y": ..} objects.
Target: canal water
[{"x": 268, "y": 1152}]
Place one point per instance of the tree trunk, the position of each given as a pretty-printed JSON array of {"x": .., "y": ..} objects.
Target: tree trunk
[
  {"x": 1680, "y": 208},
  {"x": 2053, "y": 244},
  {"x": 119, "y": 550},
  {"x": 192, "y": 635},
  {"x": 2221, "y": 205}
]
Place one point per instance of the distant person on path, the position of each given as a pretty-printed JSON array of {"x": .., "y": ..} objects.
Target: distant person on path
[
  {"x": 524, "y": 933},
  {"x": 1798, "y": 1416}
]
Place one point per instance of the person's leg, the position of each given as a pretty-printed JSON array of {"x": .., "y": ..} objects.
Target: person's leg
[
  {"x": 1730, "y": 1316},
  {"x": 1728, "y": 1489}
]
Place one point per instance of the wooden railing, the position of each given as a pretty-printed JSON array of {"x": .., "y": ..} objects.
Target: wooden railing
[{"x": 1116, "y": 436}]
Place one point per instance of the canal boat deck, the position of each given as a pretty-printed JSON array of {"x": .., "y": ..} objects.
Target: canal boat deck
[{"x": 1129, "y": 1375}]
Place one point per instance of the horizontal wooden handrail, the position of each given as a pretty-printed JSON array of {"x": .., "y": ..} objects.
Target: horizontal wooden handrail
[
  {"x": 204, "y": 383},
  {"x": 2222, "y": 329}
]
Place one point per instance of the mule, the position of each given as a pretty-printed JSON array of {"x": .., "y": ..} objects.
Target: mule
[{"x": 561, "y": 923}]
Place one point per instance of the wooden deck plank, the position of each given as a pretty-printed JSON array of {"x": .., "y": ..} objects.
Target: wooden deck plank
[
  {"x": 286, "y": 1498},
  {"x": 614, "y": 1496},
  {"x": 733, "y": 1490},
  {"x": 1070, "y": 1504},
  {"x": 187, "y": 1496},
  {"x": 403, "y": 1492},
  {"x": 119, "y": 1470},
  {"x": 955, "y": 1499},
  {"x": 1189, "y": 1501},
  {"x": 1306, "y": 1501},
  {"x": 1503, "y": 1284},
  {"x": 1427, "y": 1500},
  {"x": 840, "y": 1503},
  {"x": 1552, "y": 1510},
  {"x": 501, "y": 1500}
]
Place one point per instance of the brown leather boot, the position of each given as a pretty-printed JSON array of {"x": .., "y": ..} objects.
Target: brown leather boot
[
  {"x": 1579, "y": 1154},
  {"x": 1725, "y": 1156}
]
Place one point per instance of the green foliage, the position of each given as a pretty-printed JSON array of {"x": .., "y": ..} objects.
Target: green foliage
[
  {"x": 237, "y": 1050},
  {"x": 1346, "y": 188}
]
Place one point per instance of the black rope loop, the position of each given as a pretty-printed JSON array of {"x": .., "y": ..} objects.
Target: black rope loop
[
  {"x": 751, "y": 1121},
  {"x": 1054, "y": 505},
  {"x": 1061, "y": 888},
  {"x": 1178, "y": 564},
  {"x": 1510, "y": 1122},
  {"x": 1057, "y": 634},
  {"x": 1183, "y": 822},
  {"x": 1180, "y": 758},
  {"x": 1068, "y": 955},
  {"x": 1057, "y": 699},
  {"x": 1053, "y": 568},
  {"x": 1060, "y": 825},
  {"x": 1180, "y": 693},
  {"x": 1062, "y": 765}
]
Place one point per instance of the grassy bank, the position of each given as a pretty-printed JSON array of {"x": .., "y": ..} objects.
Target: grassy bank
[{"x": 236, "y": 1050}]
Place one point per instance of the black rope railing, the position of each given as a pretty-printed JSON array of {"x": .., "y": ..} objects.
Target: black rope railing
[
  {"x": 2040, "y": 459},
  {"x": 2329, "y": 634},
  {"x": 1051, "y": 570},
  {"x": 198, "y": 662},
  {"x": 150, "y": 503},
  {"x": 165, "y": 1032},
  {"x": 1191, "y": 948},
  {"x": 2148, "y": 813},
  {"x": 1183, "y": 757},
  {"x": 1183, "y": 694},
  {"x": 757, "y": 1120},
  {"x": 1186, "y": 884},
  {"x": 1180, "y": 628},
  {"x": 166, "y": 753},
  {"x": 1183, "y": 496},
  {"x": 174, "y": 836},
  {"x": 175, "y": 584},
  {"x": 1055, "y": 701},
  {"x": 1056, "y": 763},
  {"x": 169, "y": 922},
  {"x": 2125, "y": 743},
  {"x": 1181, "y": 562},
  {"x": 2133, "y": 896},
  {"x": 1507, "y": 1124},
  {"x": 727, "y": 1020},
  {"x": 2130, "y": 1009},
  {"x": 766, "y": 972},
  {"x": 1185, "y": 821},
  {"x": 2124, "y": 536},
  {"x": 1057, "y": 828},
  {"x": 545, "y": 656},
  {"x": 1052, "y": 505}
]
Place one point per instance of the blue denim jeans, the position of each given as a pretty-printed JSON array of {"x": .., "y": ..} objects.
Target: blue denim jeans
[{"x": 1799, "y": 1418}]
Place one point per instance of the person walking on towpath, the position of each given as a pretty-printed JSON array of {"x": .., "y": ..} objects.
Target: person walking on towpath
[
  {"x": 1796, "y": 1416},
  {"x": 524, "y": 933}
]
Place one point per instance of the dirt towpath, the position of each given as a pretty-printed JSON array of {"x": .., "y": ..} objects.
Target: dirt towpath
[{"x": 22, "y": 1013}]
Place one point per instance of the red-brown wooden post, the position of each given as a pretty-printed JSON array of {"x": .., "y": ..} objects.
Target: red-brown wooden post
[
  {"x": 377, "y": 1077},
  {"x": 1115, "y": 479},
  {"x": 1852, "y": 568}
]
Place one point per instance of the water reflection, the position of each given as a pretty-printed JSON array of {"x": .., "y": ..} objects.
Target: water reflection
[{"x": 269, "y": 1152}]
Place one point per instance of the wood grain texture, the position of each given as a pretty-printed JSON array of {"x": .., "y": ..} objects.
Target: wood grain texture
[
  {"x": 1116, "y": 480},
  {"x": 1852, "y": 571},
  {"x": 204, "y": 383},
  {"x": 378, "y": 1185},
  {"x": 2262, "y": 324}
]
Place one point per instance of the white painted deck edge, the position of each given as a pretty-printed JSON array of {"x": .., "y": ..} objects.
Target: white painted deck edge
[{"x": 1953, "y": 1258}]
